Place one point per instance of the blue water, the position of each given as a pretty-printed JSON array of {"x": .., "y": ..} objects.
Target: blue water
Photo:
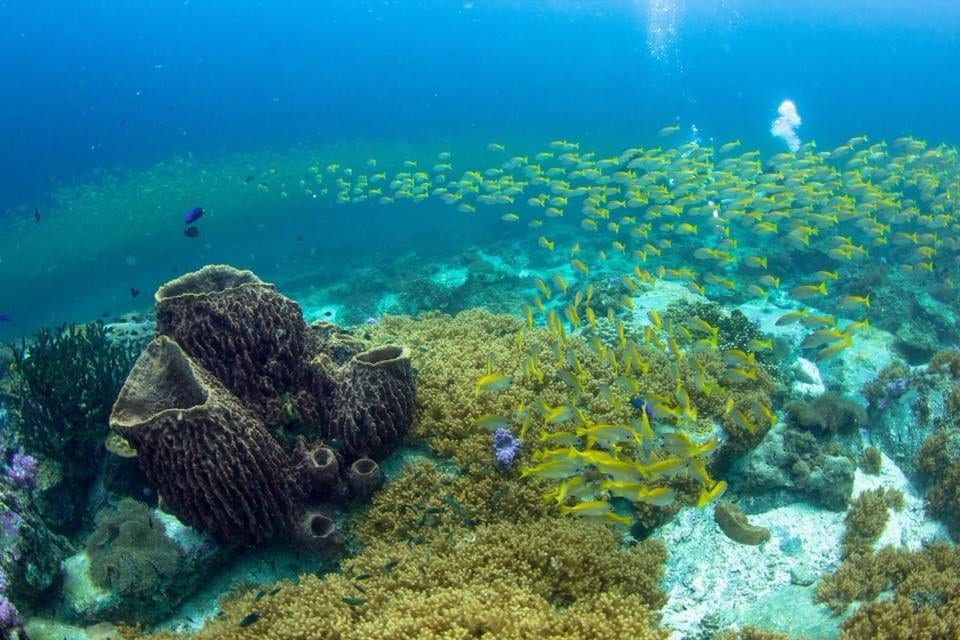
[{"x": 95, "y": 85}]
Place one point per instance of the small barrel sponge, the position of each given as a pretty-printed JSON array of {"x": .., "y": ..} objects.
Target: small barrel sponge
[
  {"x": 237, "y": 327},
  {"x": 214, "y": 464},
  {"x": 736, "y": 526},
  {"x": 369, "y": 401}
]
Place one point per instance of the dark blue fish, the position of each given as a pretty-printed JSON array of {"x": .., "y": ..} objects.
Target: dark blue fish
[
  {"x": 642, "y": 405},
  {"x": 191, "y": 232},
  {"x": 193, "y": 215},
  {"x": 6, "y": 317}
]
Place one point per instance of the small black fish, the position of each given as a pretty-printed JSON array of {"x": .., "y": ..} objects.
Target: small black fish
[
  {"x": 191, "y": 232},
  {"x": 134, "y": 292},
  {"x": 328, "y": 313},
  {"x": 249, "y": 619},
  {"x": 259, "y": 595},
  {"x": 362, "y": 576},
  {"x": 105, "y": 314},
  {"x": 299, "y": 238},
  {"x": 249, "y": 179},
  {"x": 354, "y": 602},
  {"x": 36, "y": 214}
]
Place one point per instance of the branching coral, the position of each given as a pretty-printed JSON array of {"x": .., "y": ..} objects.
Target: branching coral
[
  {"x": 866, "y": 519},
  {"x": 926, "y": 600},
  {"x": 939, "y": 462},
  {"x": 65, "y": 381},
  {"x": 552, "y": 579}
]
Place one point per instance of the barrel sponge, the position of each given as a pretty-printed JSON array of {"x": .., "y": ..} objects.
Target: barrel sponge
[
  {"x": 237, "y": 327},
  {"x": 214, "y": 464},
  {"x": 369, "y": 401}
]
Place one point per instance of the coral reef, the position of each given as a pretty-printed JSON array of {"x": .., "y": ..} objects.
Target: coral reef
[
  {"x": 213, "y": 463},
  {"x": 938, "y": 462},
  {"x": 871, "y": 460},
  {"x": 826, "y": 415},
  {"x": 735, "y": 525},
  {"x": 866, "y": 519},
  {"x": 926, "y": 593},
  {"x": 63, "y": 383},
  {"x": 550, "y": 579},
  {"x": 794, "y": 464}
]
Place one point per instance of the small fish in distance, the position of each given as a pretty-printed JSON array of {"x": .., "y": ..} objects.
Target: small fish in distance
[
  {"x": 134, "y": 292},
  {"x": 191, "y": 232},
  {"x": 36, "y": 214},
  {"x": 193, "y": 215},
  {"x": 6, "y": 317}
]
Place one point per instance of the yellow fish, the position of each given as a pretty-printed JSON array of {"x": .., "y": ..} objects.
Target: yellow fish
[
  {"x": 806, "y": 291},
  {"x": 492, "y": 383}
]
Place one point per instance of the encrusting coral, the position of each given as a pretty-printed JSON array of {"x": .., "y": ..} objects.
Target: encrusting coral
[{"x": 549, "y": 579}]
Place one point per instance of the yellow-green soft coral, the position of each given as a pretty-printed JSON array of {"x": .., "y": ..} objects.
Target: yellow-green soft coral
[{"x": 553, "y": 578}]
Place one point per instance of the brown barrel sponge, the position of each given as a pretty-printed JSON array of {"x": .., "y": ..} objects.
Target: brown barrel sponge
[
  {"x": 213, "y": 463},
  {"x": 369, "y": 401},
  {"x": 241, "y": 330},
  {"x": 736, "y": 526}
]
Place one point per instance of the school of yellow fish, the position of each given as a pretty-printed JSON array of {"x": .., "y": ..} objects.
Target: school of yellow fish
[{"x": 718, "y": 220}]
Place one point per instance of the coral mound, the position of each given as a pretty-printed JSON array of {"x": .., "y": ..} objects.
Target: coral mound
[{"x": 214, "y": 464}]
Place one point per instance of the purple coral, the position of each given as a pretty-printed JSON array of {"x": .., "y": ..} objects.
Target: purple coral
[
  {"x": 23, "y": 469},
  {"x": 10, "y": 524},
  {"x": 8, "y": 614},
  {"x": 897, "y": 387},
  {"x": 505, "y": 447}
]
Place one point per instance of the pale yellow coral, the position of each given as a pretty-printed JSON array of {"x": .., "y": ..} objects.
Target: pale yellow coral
[{"x": 553, "y": 578}]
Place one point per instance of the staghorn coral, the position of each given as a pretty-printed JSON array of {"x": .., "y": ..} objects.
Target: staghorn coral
[
  {"x": 213, "y": 463},
  {"x": 549, "y": 579}
]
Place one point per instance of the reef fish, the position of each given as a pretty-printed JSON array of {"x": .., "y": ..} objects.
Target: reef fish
[
  {"x": 193, "y": 215},
  {"x": 6, "y": 317}
]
